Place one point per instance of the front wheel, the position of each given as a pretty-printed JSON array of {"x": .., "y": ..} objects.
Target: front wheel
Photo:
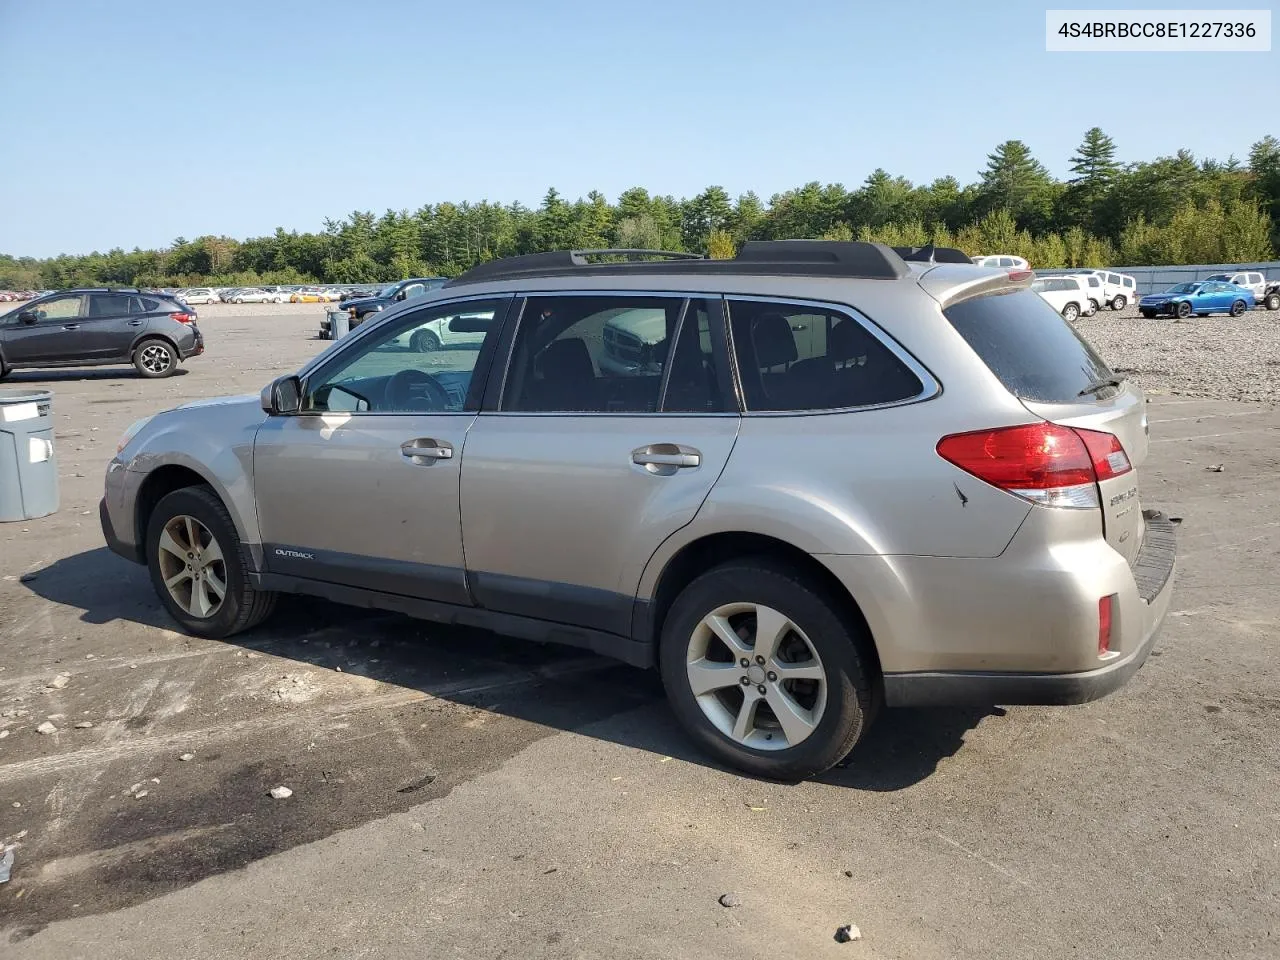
[
  {"x": 1120, "y": 302},
  {"x": 765, "y": 672},
  {"x": 1272, "y": 302},
  {"x": 197, "y": 568},
  {"x": 1184, "y": 310},
  {"x": 1070, "y": 312},
  {"x": 1238, "y": 308},
  {"x": 1149, "y": 314},
  {"x": 155, "y": 358}
]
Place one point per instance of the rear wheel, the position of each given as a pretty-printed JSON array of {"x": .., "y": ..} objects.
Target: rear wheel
[
  {"x": 1238, "y": 308},
  {"x": 1120, "y": 302},
  {"x": 1094, "y": 306},
  {"x": 197, "y": 568},
  {"x": 155, "y": 358},
  {"x": 1070, "y": 312},
  {"x": 765, "y": 672},
  {"x": 424, "y": 341},
  {"x": 1184, "y": 310},
  {"x": 1272, "y": 302}
]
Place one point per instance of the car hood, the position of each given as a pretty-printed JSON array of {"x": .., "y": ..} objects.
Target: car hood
[
  {"x": 249, "y": 399},
  {"x": 363, "y": 302}
]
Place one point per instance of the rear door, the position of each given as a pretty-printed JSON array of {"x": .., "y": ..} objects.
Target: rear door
[
  {"x": 1047, "y": 364},
  {"x": 109, "y": 326},
  {"x": 602, "y": 441}
]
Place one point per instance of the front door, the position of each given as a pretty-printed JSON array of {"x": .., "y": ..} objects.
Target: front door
[
  {"x": 54, "y": 336},
  {"x": 604, "y": 442},
  {"x": 361, "y": 487}
]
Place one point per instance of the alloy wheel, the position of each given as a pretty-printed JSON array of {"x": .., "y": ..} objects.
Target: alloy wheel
[
  {"x": 756, "y": 676},
  {"x": 155, "y": 358},
  {"x": 192, "y": 566}
]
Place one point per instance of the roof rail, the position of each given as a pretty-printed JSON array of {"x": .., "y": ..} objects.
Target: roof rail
[
  {"x": 931, "y": 254},
  {"x": 817, "y": 258}
]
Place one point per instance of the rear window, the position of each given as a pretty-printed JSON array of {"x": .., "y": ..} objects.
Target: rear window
[{"x": 1035, "y": 353}]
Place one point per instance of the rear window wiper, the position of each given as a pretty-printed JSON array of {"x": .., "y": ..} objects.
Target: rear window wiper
[{"x": 1099, "y": 385}]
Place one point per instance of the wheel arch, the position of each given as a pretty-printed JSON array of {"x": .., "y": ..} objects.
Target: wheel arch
[
  {"x": 151, "y": 335},
  {"x": 703, "y": 553},
  {"x": 172, "y": 476}
]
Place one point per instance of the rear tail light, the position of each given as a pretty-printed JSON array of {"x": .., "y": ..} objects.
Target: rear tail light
[
  {"x": 183, "y": 317},
  {"x": 1106, "y": 607},
  {"x": 1017, "y": 276},
  {"x": 1042, "y": 462}
]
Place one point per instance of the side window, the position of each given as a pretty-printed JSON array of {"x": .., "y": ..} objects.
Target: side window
[
  {"x": 107, "y": 305},
  {"x": 1113, "y": 278},
  {"x": 844, "y": 366},
  {"x": 591, "y": 354},
  {"x": 1007, "y": 262},
  {"x": 693, "y": 385},
  {"x": 1128, "y": 282},
  {"x": 1094, "y": 281},
  {"x": 143, "y": 305},
  {"x": 59, "y": 308},
  {"x": 420, "y": 363}
]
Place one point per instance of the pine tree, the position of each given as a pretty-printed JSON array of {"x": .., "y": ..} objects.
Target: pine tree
[{"x": 1016, "y": 181}]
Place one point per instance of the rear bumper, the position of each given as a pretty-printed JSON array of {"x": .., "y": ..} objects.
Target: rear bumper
[{"x": 1152, "y": 580}]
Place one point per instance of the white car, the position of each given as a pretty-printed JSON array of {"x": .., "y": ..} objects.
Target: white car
[
  {"x": 1069, "y": 295},
  {"x": 1005, "y": 260},
  {"x": 253, "y": 295},
  {"x": 466, "y": 329},
  {"x": 199, "y": 295},
  {"x": 1117, "y": 290},
  {"x": 1249, "y": 279}
]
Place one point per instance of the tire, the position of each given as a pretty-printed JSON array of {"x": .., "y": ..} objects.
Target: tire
[
  {"x": 1149, "y": 314},
  {"x": 836, "y": 709},
  {"x": 1094, "y": 306},
  {"x": 238, "y": 300},
  {"x": 1183, "y": 310},
  {"x": 1238, "y": 308},
  {"x": 1120, "y": 302},
  {"x": 424, "y": 341},
  {"x": 1272, "y": 301},
  {"x": 155, "y": 358},
  {"x": 1070, "y": 313},
  {"x": 241, "y": 606}
]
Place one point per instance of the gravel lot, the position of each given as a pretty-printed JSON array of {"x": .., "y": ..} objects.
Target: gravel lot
[
  {"x": 1217, "y": 356},
  {"x": 457, "y": 794}
]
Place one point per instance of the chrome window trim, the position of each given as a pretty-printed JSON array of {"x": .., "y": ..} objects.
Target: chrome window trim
[
  {"x": 930, "y": 387},
  {"x": 526, "y": 295}
]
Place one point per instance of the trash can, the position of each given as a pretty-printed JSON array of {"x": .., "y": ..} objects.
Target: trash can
[
  {"x": 339, "y": 324},
  {"x": 28, "y": 468}
]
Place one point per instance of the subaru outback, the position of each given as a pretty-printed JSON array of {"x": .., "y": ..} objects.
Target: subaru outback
[{"x": 843, "y": 476}]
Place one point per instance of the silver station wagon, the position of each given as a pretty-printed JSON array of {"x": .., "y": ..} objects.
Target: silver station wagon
[{"x": 803, "y": 483}]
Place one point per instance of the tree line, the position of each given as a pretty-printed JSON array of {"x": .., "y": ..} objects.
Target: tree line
[{"x": 1170, "y": 210}]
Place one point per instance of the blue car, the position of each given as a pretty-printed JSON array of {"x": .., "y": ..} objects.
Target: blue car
[{"x": 1202, "y": 297}]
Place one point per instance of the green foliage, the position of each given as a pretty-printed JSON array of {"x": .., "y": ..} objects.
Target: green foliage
[{"x": 1173, "y": 209}]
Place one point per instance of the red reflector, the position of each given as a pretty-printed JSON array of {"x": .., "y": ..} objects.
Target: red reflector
[
  {"x": 1104, "y": 624},
  {"x": 1106, "y": 452},
  {"x": 1035, "y": 456},
  {"x": 1017, "y": 276},
  {"x": 181, "y": 317}
]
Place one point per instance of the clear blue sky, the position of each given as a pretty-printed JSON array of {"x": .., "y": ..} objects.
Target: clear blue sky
[{"x": 131, "y": 122}]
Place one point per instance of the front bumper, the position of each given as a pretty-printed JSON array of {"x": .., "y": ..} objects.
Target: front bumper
[
  {"x": 118, "y": 546},
  {"x": 1158, "y": 308}
]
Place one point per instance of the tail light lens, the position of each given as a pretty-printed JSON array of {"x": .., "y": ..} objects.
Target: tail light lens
[
  {"x": 1043, "y": 462},
  {"x": 1017, "y": 276},
  {"x": 183, "y": 317},
  {"x": 1106, "y": 607}
]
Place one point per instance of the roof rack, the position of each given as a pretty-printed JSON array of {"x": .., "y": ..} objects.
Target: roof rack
[{"x": 815, "y": 258}]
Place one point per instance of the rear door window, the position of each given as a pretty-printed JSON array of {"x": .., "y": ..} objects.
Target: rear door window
[
  {"x": 107, "y": 305},
  {"x": 806, "y": 357},
  {"x": 1032, "y": 351}
]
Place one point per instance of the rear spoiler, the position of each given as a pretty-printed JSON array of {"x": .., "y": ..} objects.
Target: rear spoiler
[{"x": 952, "y": 284}]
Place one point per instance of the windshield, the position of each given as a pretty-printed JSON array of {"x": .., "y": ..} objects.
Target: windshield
[
  {"x": 1220, "y": 276},
  {"x": 1184, "y": 288},
  {"x": 389, "y": 290}
]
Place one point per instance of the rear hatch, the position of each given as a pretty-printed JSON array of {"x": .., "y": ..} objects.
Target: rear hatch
[{"x": 1048, "y": 366}]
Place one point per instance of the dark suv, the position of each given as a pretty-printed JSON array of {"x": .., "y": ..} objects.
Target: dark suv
[{"x": 76, "y": 328}]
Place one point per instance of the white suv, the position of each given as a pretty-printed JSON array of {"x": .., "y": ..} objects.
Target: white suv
[
  {"x": 1118, "y": 289},
  {"x": 1002, "y": 260},
  {"x": 1068, "y": 295},
  {"x": 1249, "y": 279}
]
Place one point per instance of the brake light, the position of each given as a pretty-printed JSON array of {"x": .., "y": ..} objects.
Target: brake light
[
  {"x": 1041, "y": 462},
  {"x": 183, "y": 317},
  {"x": 1106, "y": 452},
  {"x": 1105, "y": 610},
  {"x": 1017, "y": 276}
]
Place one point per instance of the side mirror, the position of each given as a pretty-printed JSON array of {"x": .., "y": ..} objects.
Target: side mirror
[
  {"x": 282, "y": 396},
  {"x": 28, "y": 316}
]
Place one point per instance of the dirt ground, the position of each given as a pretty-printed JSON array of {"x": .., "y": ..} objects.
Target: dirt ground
[{"x": 460, "y": 794}]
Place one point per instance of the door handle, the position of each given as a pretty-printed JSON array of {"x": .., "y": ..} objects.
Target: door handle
[
  {"x": 135, "y": 323},
  {"x": 664, "y": 459},
  {"x": 424, "y": 450},
  {"x": 71, "y": 326}
]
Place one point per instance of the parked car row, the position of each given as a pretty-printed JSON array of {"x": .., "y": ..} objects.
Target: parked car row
[{"x": 9, "y": 296}]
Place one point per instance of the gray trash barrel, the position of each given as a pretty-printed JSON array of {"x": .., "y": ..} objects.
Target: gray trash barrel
[
  {"x": 28, "y": 468},
  {"x": 339, "y": 324}
]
